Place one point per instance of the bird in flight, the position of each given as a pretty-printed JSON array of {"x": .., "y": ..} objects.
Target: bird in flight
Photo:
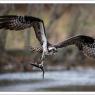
[
  {"x": 85, "y": 44},
  {"x": 13, "y": 22}
]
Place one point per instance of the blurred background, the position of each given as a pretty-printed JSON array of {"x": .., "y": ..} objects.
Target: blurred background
[{"x": 67, "y": 70}]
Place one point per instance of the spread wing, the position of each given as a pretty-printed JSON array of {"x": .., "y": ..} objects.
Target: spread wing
[{"x": 79, "y": 41}]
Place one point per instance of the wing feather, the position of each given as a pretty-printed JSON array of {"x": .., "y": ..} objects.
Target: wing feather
[{"x": 8, "y": 22}]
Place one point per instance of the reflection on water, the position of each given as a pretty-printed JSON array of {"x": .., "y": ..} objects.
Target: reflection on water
[{"x": 72, "y": 80}]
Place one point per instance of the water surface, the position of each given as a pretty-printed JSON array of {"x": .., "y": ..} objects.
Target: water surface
[{"x": 72, "y": 80}]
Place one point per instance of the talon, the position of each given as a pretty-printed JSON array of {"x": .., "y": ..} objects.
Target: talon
[{"x": 39, "y": 66}]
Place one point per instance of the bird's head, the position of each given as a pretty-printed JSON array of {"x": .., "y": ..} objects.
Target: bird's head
[{"x": 52, "y": 50}]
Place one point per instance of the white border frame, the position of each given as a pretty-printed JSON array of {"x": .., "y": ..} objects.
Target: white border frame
[{"x": 47, "y": 2}]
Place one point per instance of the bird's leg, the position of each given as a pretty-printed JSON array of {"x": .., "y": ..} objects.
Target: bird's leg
[
  {"x": 40, "y": 50},
  {"x": 51, "y": 51},
  {"x": 39, "y": 66},
  {"x": 45, "y": 51}
]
